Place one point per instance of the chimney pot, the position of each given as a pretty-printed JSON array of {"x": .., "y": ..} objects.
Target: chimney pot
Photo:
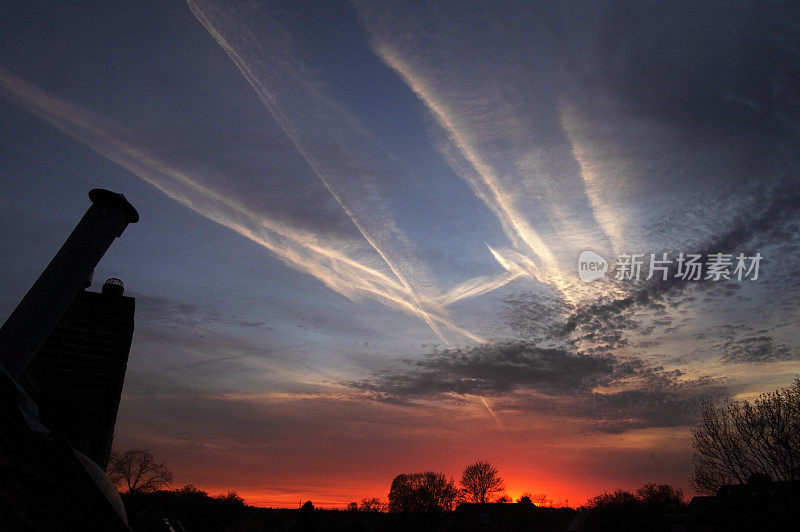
[{"x": 113, "y": 287}]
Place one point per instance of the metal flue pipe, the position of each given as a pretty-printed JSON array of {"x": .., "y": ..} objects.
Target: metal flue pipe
[{"x": 37, "y": 314}]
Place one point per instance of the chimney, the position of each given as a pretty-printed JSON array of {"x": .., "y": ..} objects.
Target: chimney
[
  {"x": 113, "y": 287},
  {"x": 29, "y": 325}
]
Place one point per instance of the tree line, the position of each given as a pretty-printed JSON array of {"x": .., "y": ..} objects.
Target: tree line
[
  {"x": 734, "y": 442},
  {"x": 433, "y": 491}
]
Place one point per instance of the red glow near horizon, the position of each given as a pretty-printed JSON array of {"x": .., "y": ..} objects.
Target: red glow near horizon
[
  {"x": 553, "y": 457},
  {"x": 338, "y": 495}
]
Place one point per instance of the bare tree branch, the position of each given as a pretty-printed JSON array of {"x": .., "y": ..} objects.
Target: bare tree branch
[
  {"x": 481, "y": 481},
  {"x": 137, "y": 471},
  {"x": 738, "y": 440}
]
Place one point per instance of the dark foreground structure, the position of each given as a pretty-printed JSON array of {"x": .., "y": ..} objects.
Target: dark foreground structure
[
  {"x": 761, "y": 505},
  {"x": 765, "y": 506},
  {"x": 509, "y": 517},
  {"x": 76, "y": 377},
  {"x": 191, "y": 510},
  {"x": 70, "y": 350}
]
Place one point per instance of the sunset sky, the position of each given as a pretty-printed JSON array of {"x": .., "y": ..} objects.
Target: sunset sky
[{"x": 361, "y": 223}]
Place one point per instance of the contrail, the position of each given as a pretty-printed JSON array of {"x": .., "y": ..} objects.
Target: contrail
[
  {"x": 605, "y": 216},
  {"x": 516, "y": 263},
  {"x": 477, "y": 286},
  {"x": 294, "y": 75},
  {"x": 494, "y": 416},
  {"x": 489, "y": 189},
  {"x": 298, "y": 249},
  {"x": 486, "y": 186},
  {"x": 108, "y": 140},
  {"x": 468, "y": 163}
]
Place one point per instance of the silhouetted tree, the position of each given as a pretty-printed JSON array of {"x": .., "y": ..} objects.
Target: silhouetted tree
[
  {"x": 194, "y": 509},
  {"x": 422, "y": 492},
  {"x": 504, "y": 498},
  {"x": 539, "y": 499},
  {"x": 623, "y": 510},
  {"x": 308, "y": 506},
  {"x": 618, "y": 511},
  {"x": 616, "y": 499},
  {"x": 525, "y": 498},
  {"x": 401, "y": 493},
  {"x": 373, "y": 504},
  {"x": 481, "y": 481},
  {"x": 739, "y": 439},
  {"x": 136, "y": 471},
  {"x": 352, "y": 507},
  {"x": 660, "y": 498}
]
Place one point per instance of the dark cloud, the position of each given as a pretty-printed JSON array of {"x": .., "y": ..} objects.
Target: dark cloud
[
  {"x": 492, "y": 369},
  {"x": 758, "y": 350},
  {"x": 647, "y": 331},
  {"x": 644, "y": 395},
  {"x": 604, "y": 321},
  {"x": 646, "y": 344},
  {"x": 608, "y": 319},
  {"x": 611, "y": 393},
  {"x": 667, "y": 402},
  {"x": 535, "y": 316}
]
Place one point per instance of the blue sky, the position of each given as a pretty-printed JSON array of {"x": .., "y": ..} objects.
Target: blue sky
[{"x": 360, "y": 225}]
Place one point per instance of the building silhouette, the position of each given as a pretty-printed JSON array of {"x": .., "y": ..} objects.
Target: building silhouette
[
  {"x": 81, "y": 340},
  {"x": 759, "y": 504},
  {"x": 76, "y": 377}
]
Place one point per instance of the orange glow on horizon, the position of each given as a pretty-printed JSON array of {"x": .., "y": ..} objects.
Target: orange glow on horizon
[
  {"x": 566, "y": 466},
  {"x": 338, "y": 496}
]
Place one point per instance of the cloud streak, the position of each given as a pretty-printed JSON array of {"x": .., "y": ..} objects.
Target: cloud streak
[
  {"x": 343, "y": 157},
  {"x": 481, "y": 177},
  {"x": 502, "y": 137},
  {"x": 298, "y": 249}
]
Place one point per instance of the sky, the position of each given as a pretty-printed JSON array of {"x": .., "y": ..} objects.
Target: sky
[{"x": 361, "y": 225}]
